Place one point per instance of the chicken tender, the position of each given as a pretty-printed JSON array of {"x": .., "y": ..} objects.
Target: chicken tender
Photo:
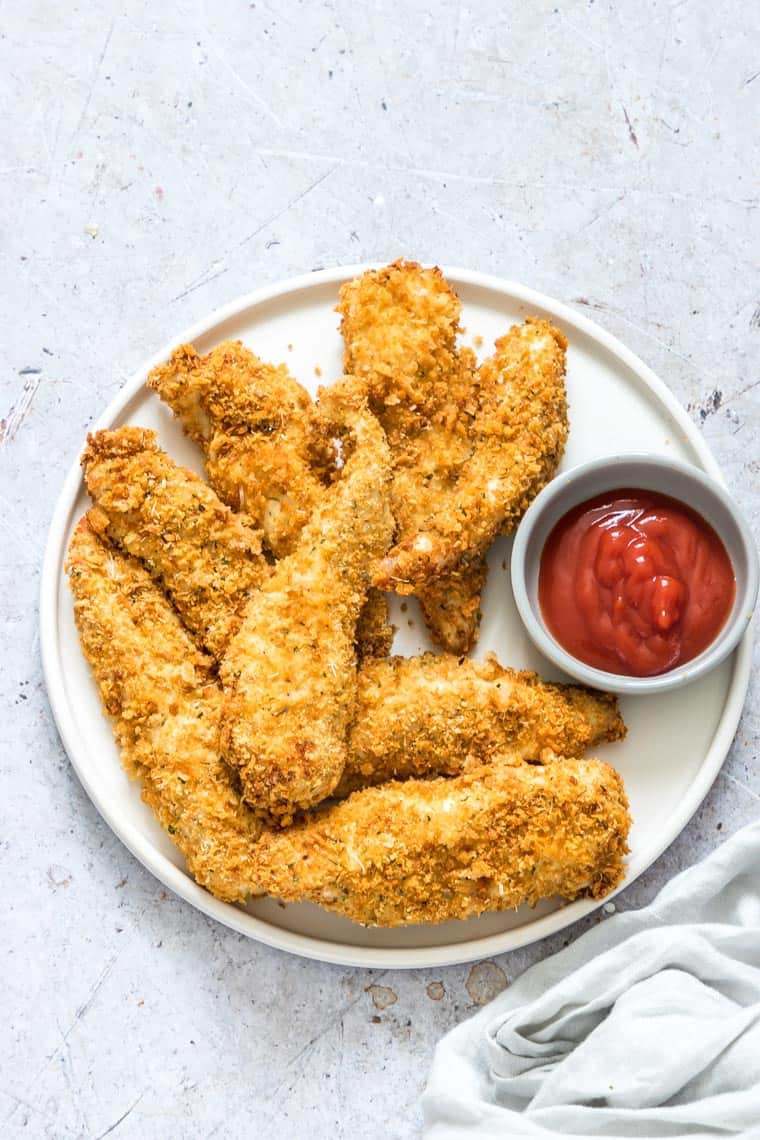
[
  {"x": 420, "y": 851},
  {"x": 433, "y": 850},
  {"x": 518, "y": 435},
  {"x": 290, "y": 672},
  {"x": 438, "y": 715},
  {"x": 204, "y": 556},
  {"x": 451, "y": 604},
  {"x": 159, "y": 688},
  {"x": 374, "y": 632},
  {"x": 267, "y": 450},
  {"x": 400, "y": 327}
]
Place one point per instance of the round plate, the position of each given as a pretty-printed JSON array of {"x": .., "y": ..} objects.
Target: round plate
[{"x": 676, "y": 741}]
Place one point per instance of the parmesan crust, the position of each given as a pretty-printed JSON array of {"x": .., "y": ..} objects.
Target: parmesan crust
[
  {"x": 438, "y": 715},
  {"x": 268, "y": 453},
  {"x": 415, "y": 851},
  {"x": 238, "y": 631},
  {"x": 400, "y": 326},
  {"x": 433, "y": 850},
  {"x": 204, "y": 556},
  {"x": 290, "y": 671},
  {"x": 160, "y": 690},
  {"x": 517, "y": 438}
]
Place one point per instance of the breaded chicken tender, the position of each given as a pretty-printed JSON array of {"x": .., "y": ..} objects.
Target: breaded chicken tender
[
  {"x": 374, "y": 632},
  {"x": 400, "y": 327},
  {"x": 432, "y": 850},
  {"x": 437, "y": 715},
  {"x": 518, "y": 433},
  {"x": 160, "y": 691},
  {"x": 451, "y": 604},
  {"x": 290, "y": 671},
  {"x": 200, "y": 551},
  {"x": 204, "y": 556},
  {"x": 268, "y": 454},
  {"x": 267, "y": 450},
  {"x": 419, "y": 851}
]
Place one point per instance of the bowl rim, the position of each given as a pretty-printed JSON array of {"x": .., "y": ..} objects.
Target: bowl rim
[{"x": 726, "y": 639}]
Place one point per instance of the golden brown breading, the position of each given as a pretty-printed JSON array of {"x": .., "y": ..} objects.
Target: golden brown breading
[
  {"x": 433, "y": 850},
  {"x": 159, "y": 688},
  {"x": 227, "y": 402},
  {"x": 437, "y": 714},
  {"x": 402, "y": 852},
  {"x": 193, "y": 545},
  {"x": 202, "y": 553},
  {"x": 374, "y": 632},
  {"x": 400, "y": 326},
  {"x": 451, "y": 604},
  {"x": 267, "y": 451},
  {"x": 290, "y": 672},
  {"x": 518, "y": 433}
]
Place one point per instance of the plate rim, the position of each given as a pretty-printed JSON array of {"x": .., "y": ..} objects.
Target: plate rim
[{"x": 229, "y": 914}]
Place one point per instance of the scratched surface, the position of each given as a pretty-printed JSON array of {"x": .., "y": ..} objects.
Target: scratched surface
[{"x": 157, "y": 163}]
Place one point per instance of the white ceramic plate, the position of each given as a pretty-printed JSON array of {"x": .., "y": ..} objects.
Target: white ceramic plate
[{"x": 676, "y": 741}]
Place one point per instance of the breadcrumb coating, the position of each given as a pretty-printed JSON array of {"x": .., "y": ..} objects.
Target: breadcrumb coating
[
  {"x": 432, "y": 850},
  {"x": 451, "y": 604},
  {"x": 289, "y": 674},
  {"x": 204, "y": 556},
  {"x": 418, "y": 851},
  {"x": 268, "y": 453},
  {"x": 456, "y": 786},
  {"x": 437, "y": 715},
  {"x": 400, "y": 327},
  {"x": 518, "y": 433},
  {"x": 193, "y": 545},
  {"x": 160, "y": 691},
  {"x": 267, "y": 450},
  {"x": 374, "y": 632}
]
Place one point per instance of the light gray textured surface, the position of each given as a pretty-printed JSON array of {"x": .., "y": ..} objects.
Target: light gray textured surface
[{"x": 159, "y": 160}]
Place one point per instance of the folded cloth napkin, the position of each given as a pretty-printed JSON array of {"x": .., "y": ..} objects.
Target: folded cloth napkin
[{"x": 647, "y": 1026}]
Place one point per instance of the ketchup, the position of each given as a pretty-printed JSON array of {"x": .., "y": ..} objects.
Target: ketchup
[{"x": 634, "y": 582}]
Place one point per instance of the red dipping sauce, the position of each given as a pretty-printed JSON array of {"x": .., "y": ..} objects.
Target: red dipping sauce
[{"x": 635, "y": 583}]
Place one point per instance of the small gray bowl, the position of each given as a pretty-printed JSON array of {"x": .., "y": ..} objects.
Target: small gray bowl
[{"x": 646, "y": 473}]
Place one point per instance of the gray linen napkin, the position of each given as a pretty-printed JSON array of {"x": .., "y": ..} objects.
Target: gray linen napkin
[{"x": 647, "y": 1026}]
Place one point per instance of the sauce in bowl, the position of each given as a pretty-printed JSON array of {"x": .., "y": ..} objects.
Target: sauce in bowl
[{"x": 635, "y": 583}]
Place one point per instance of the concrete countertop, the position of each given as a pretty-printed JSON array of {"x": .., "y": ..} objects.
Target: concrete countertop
[{"x": 159, "y": 160}]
